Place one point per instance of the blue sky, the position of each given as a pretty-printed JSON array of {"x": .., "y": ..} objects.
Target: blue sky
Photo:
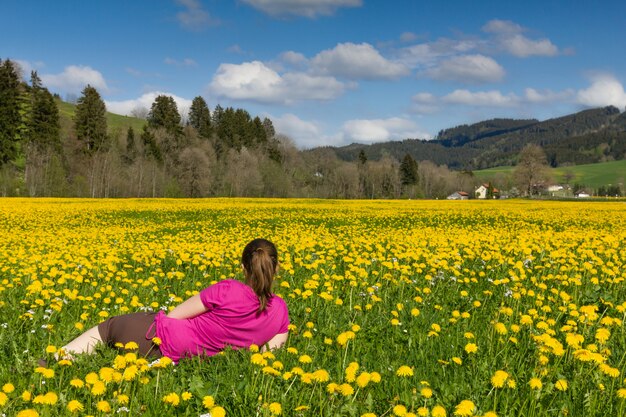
[{"x": 330, "y": 72}]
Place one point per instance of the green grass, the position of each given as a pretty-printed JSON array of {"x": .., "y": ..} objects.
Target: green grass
[
  {"x": 116, "y": 123},
  {"x": 592, "y": 175}
]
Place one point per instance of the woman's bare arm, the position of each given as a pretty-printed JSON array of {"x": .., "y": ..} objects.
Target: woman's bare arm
[
  {"x": 276, "y": 341},
  {"x": 191, "y": 307}
]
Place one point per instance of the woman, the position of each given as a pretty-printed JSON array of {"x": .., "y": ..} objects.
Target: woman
[{"x": 229, "y": 313}]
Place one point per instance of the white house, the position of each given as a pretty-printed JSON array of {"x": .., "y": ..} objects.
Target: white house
[{"x": 458, "y": 195}]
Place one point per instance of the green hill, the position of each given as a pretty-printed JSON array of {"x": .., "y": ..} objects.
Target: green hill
[
  {"x": 116, "y": 123},
  {"x": 592, "y": 175}
]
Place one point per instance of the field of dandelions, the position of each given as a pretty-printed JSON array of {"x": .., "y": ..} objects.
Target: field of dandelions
[{"x": 398, "y": 308}]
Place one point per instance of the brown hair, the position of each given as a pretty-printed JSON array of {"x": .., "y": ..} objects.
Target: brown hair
[{"x": 260, "y": 263}]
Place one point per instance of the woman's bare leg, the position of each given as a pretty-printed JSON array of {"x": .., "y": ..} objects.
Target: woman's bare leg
[{"x": 84, "y": 343}]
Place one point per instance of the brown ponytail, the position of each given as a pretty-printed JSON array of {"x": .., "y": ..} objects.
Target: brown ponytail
[{"x": 260, "y": 261}]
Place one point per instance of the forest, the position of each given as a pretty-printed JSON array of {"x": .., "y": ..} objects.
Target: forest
[{"x": 228, "y": 152}]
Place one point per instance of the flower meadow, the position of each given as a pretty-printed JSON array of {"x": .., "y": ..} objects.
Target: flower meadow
[{"x": 398, "y": 308}]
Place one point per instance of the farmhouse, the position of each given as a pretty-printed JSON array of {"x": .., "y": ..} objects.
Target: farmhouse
[
  {"x": 487, "y": 191},
  {"x": 458, "y": 195}
]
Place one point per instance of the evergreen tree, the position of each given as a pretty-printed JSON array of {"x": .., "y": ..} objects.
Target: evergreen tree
[
  {"x": 90, "y": 120},
  {"x": 258, "y": 131},
  {"x": 44, "y": 125},
  {"x": 362, "y": 157},
  {"x": 164, "y": 114},
  {"x": 150, "y": 147},
  {"x": 270, "y": 132},
  {"x": 216, "y": 118},
  {"x": 131, "y": 147},
  {"x": 408, "y": 171},
  {"x": 10, "y": 119},
  {"x": 200, "y": 117}
]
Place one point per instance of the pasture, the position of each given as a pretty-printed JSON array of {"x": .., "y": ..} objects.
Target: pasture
[{"x": 398, "y": 308}]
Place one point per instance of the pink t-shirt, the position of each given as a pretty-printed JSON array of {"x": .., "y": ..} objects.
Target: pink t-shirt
[{"x": 231, "y": 319}]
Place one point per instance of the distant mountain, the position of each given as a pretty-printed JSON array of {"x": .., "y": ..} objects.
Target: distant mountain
[{"x": 585, "y": 137}]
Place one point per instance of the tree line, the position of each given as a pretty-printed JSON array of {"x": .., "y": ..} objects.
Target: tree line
[{"x": 218, "y": 152}]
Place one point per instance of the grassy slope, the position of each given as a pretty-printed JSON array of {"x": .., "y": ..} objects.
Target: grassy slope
[
  {"x": 115, "y": 122},
  {"x": 593, "y": 175}
]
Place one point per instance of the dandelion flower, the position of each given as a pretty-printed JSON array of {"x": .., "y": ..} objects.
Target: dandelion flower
[
  {"x": 561, "y": 385},
  {"x": 404, "y": 371},
  {"x": 535, "y": 383},
  {"x": 74, "y": 406},
  {"x": 276, "y": 409},
  {"x": 346, "y": 390},
  {"x": 621, "y": 393},
  {"x": 3, "y": 399},
  {"x": 28, "y": 413},
  {"x": 438, "y": 411},
  {"x": 8, "y": 388},
  {"x": 104, "y": 406},
  {"x": 217, "y": 412},
  {"x": 471, "y": 348},
  {"x": 465, "y": 408},
  {"x": 499, "y": 378},
  {"x": 426, "y": 392},
  {"x": 399, "y": 410},
  {"x": 208, "y": 402}
]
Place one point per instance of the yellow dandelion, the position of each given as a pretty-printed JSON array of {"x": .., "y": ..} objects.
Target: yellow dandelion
[
  {"x": 363, "y": 379},
  {"x": 438, "y": 411},
  {"x": 471, "y": 348},
  {"x": 465, "y": 408},
  {"x": 3, "y": 399},
  {"x": 208, "y": 402},
  {"x": 399, "y": 410},
  {"x": 561, "y": 385},
  {"x": 426, "y": 392},
  {"x": 217, "y": 412},
  {"x": 345, "y": 389},
  {"x": 74, "y": 406},
  {"x": 621, "y": 393},
  {"x": 535, "y": 383},
  {"x": 276, "y": 409},
  {"x": 8, "y": 388},
  {"x": 172, "y": 398},
  {"x": 104, "y": 406},
  {"x": 28, "y": 413},
  {"x": 404, "y": 371}
]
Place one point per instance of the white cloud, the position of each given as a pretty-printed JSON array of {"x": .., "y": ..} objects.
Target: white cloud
[
  {"x": 502, "y": 26},
  {"x": 429, "y": 53},
  {"x": 305, "y": 134},
  {"x": 467, "y": 69},
  {"x": 547, "y": 96},
  {"x": 293, "y": 58},
  {"x": 194, "y": 17},
  {"x": 306, "y": 8},
  {"x": 604, "y": 90},
  {"x": 508, "y": 37},
  {"x": 126, "y": 107},
  {"x": 426, "y": 103},
  {"x": 360, "y": 61},
  {"x": 381, "y": 130},
  {"x": 74, "y": 78},
  {"x": 523, "y": 47},
  {"x": 408, "y": 37},
  {"x": 187, "y": 62},
  {"x": 255, "y": 81},
  {"x": 492, "y": 98}
]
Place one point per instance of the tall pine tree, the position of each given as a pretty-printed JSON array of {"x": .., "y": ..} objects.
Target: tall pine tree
[
  {"x": 164, "y": 115},
  {"x": 200, "y": 117},
  {"x": 10, "y": 119},
  {"x": 44, "y": 126},
  {"x": 408, "y": 171},
  {"x": 90, "y": 120}
]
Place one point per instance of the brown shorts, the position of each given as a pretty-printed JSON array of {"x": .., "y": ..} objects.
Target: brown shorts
[{"x": 132, "y": 327}]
